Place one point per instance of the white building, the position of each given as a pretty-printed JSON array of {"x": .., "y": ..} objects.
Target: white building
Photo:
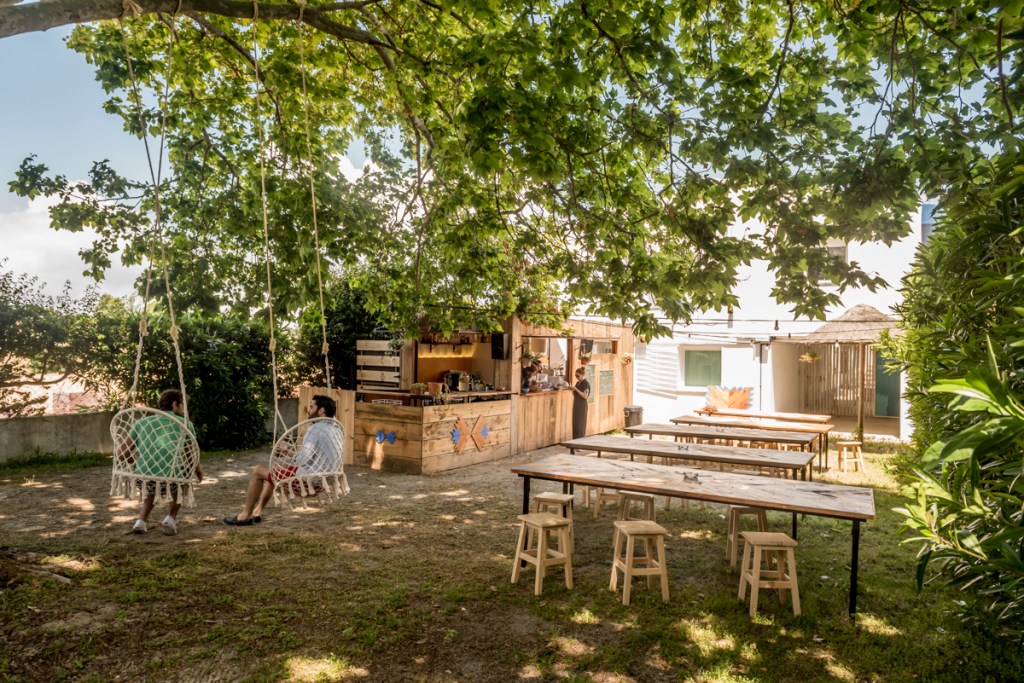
[{"x": 757, "y": 346}]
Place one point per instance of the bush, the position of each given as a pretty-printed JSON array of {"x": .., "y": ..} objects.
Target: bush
[
  {"x": 962, "y": 314},
  {"x": 226, "y": 364}
]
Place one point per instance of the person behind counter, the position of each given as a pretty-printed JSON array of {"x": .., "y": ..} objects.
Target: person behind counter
[
  {"x": 581, "y": 392},
  {"x": 528, "y": 375}
]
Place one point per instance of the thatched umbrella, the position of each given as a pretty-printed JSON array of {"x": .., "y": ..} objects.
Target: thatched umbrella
[{"x": 861, "y": 325}]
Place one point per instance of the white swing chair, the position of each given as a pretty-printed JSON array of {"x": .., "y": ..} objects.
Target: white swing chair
[
  {"x": 308, "y": 462},
  {"x": 153, "y": 446}
]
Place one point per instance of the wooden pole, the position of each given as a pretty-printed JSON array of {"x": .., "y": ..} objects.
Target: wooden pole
[{"x": 860, "y": 397}]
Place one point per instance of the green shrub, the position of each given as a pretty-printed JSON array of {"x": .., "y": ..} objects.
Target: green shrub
[{"x": 963, "y": 315}]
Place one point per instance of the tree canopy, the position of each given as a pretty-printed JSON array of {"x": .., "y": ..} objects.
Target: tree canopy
[{"x": 532, "y": 159}]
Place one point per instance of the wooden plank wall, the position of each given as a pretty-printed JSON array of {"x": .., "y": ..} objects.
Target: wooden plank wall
[
  {"x": 831, "y": 384},
  {"x": 422, "y": 437},
  {"x": 542, "y": 420},
  {"x": 346, "y": 401}
]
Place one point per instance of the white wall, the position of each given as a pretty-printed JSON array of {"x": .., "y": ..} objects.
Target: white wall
[{"x": 757, "y": 320}]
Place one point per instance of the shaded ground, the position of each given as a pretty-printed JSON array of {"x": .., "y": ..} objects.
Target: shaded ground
[{"x": 408, "y": 579}]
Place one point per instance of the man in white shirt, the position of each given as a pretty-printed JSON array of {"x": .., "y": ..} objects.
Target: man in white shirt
[{"x": 318, "y": 453}]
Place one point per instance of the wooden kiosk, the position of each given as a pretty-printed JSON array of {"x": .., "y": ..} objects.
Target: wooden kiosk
[{"x": 436, "y": 404}]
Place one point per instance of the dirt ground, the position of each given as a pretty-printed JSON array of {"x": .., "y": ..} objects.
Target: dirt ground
[{"x": 439, "y": 547}]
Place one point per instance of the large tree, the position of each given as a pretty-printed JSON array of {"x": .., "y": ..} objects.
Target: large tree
[{"x": 532, "y": 158}]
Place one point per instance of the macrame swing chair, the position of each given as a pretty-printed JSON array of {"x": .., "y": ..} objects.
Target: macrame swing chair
[
  {"x": 153, "y": 445},
  {"x": 307, "y": 461}
]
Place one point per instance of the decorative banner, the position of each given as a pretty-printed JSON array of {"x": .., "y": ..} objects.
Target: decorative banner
[
  {"x": 458, "y": 432},
  {"x": 382, "y": 437},
  {"x": 480, "y": 432}
]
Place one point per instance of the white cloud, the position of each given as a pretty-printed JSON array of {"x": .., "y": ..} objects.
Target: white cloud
[{"x": 31, "y": 246}]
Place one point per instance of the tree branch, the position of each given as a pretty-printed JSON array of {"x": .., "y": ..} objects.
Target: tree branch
[{"x": 41, "y": 16}]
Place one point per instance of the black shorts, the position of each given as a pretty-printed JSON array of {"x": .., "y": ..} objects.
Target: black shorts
[{"x": 151, "y": 488}]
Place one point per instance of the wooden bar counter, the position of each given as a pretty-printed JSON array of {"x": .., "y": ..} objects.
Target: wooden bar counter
[{"x": 431, "y": 439}]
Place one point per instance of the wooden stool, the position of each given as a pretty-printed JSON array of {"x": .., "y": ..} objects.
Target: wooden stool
[
  {"x": 732, "y": 533},
  {"x": 628, "y": 498},
  {"x": 559, "y": 504},
  {"x": 540, "y": 525},
  {"x": 761, "y": 546},
  {"x": 850, "y": 452},
  {"x": 650, "y": 533},
  {"x": 605, "y": 496}
]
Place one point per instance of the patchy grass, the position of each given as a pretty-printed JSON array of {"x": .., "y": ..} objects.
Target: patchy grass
[
  {"x": 408, "y": 580},
  {"x": 48, "y": 462}
]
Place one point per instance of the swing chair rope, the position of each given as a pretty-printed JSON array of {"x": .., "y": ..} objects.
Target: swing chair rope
[
  {"x": 325, "y": 347},
  {"x": 266, "y": 230},
  {"x": 155, "y": 175}
]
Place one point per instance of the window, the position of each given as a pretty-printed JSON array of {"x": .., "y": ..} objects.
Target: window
[
  {"x": 834, "y": 248},
  {"x": 702, "y": 367}
]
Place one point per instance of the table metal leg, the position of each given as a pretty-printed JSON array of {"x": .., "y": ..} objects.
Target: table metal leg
[
  {"x": 526, "y": 494},
  {"x": 853, "y": 566},
  {"x": 794, "y": 526}
]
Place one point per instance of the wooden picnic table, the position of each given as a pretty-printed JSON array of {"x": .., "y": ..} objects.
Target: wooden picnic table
[
  {"x": 765, "y": 415},
  {"x": 853, "y": 503},
  {"x": 793, "y": 463},
  {"x": 724, "y": 433},
  {"x": 821, "y": 429}
]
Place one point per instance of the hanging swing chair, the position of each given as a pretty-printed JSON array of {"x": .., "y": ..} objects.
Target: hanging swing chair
[
  {"x": 307, "y": 461},
  {"x": 153, "y": 446},
  {"x": 155, "y": 451}
]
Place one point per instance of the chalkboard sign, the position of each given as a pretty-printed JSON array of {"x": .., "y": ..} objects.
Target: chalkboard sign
[
  {"x": 607, "y": 382},
  {"x": 590, "y": 379}
]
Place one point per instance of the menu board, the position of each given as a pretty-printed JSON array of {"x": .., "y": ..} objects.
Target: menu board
[
  {"x": 607, "y": 386},
  {"x": 590, "y": 379}
]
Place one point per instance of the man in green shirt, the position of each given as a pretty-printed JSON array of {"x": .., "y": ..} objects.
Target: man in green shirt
[{"x": 162, "y": 452}]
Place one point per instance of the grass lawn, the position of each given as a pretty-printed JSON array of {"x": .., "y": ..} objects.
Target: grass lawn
[{"x": 407, "y": 579}]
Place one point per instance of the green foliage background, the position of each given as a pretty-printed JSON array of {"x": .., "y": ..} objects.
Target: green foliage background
[{"x": 963, "y": 315}]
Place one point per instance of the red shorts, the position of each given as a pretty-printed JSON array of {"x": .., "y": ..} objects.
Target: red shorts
[
  {"x": 282, "y": 474},
  {"x": 290, "y": 471}
]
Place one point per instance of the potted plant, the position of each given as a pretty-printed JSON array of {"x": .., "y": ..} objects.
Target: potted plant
[
  {"x": 528, "y": 357},
  {"x": 418, "y": 389},
  {"x": 584, "y": 357}
]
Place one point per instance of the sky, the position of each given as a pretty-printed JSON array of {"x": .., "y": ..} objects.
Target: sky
[{"x": 53, "y": 108}]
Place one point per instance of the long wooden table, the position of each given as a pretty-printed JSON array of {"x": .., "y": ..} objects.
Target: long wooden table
[
  {"x": 725, "y": 433},
  {"x": 853, "y": 503},
  {"x": 819, "y": 428},
  {"x": 793, "y": 463},
  {"x": 765, "y": 415}
]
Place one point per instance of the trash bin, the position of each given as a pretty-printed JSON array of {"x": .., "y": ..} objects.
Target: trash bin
[{"x": 634, "y": 415}]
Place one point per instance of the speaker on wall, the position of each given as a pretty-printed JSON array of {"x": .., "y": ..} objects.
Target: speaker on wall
[
  {"x": 499, "y": 346},
  {"x": 586, "y": 345}
]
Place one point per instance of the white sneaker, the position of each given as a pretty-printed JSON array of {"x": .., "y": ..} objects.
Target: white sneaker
[
  {"x": 170, "y": 525},
  {"x": 140, "y": 527}
]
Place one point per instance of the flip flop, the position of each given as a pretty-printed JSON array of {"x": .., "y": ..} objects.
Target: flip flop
[{"x": 234, "y": 521}]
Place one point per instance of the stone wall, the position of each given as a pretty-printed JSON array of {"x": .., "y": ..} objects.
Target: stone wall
[{"x": 63, "y": 434}]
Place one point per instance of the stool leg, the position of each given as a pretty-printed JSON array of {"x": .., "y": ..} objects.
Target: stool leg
[
  {"x": 616, "y": 552},
  {"x": 544, "y": 541},
  {"x": 755, "y": 579},
  {"x": 664, "y": 568},
  {"x": 565, "y": 545},
  {"x": 519, "y": 552},
  {"x": 743, "y": 570},
  {"x": 649, "y": 559},
  {"x": 795, "y": 590},
  {"x": 627, "y": 578}
]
